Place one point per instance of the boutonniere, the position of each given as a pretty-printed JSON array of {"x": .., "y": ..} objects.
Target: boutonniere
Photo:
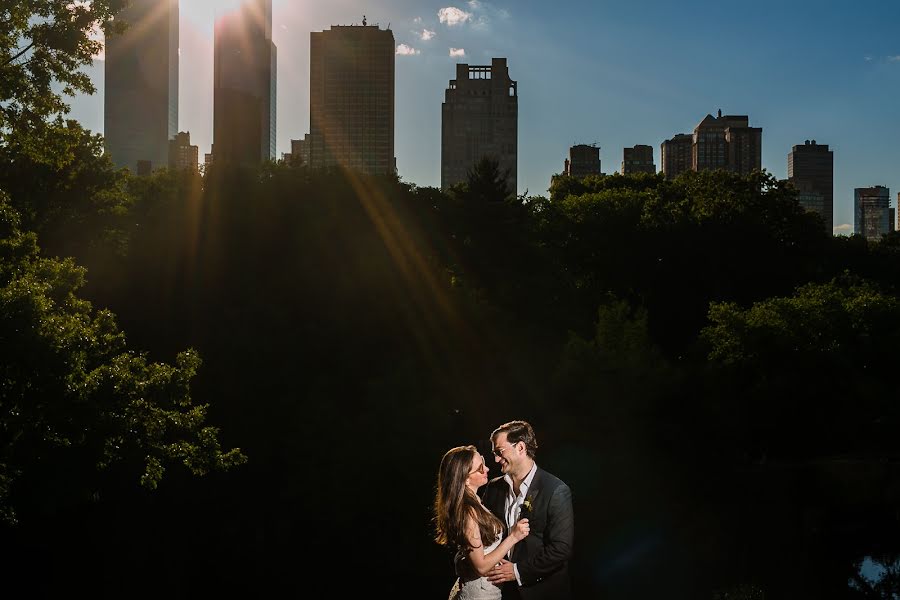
[{"x": 525, "y": 507}]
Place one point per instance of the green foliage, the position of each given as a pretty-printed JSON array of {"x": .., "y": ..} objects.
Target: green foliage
[
  {"x": 46, "y": 41},
  {"x": 486, "y": 182},
  {"x": 67, "y": 379},
  {"x": 834, "y": 322},
  {"x": 811, "y": 367},
  {"x": 563, "y": 186},
  {"x": 65, "y": 188}
]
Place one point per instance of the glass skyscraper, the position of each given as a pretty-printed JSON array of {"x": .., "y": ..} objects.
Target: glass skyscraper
[
  {"x": 244, "y": 85},
  {"x": 140, "y": 112}
]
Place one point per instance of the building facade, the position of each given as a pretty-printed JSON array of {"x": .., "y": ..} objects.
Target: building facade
[
  {"x": 140, "y": 110},
  {"x": 811, "y": 171},
  {"x": 726, "y": 142},
  {"x": 182, "y": 155},
  {"x": 479, "y": 118},
  {"x": 872, "y": 212},
  {"x": 351, "y": 99},
  {"x": 638, "y": 159},
  {"x": 244, "y": 85},
  {"x": 675, "y": 155},
  {"x": 300, "y": 151},
  {"x": 584, "y": 160}
]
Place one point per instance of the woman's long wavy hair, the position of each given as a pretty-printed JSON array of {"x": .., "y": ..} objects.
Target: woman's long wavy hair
[{"x": 454, "y": 502}]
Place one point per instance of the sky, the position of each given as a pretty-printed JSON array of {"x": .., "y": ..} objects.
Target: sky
[{"x": 614, "y": 74}]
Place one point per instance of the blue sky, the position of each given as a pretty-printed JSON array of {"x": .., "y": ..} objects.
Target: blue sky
[{"x": 612, "y": 73}]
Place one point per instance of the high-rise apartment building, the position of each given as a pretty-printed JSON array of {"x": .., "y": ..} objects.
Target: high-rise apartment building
[
  {"x": 872, "y": 212},
  {"x": 140, "y": 112},
  {"x": 726, "y": 142},
  {"x": 811, "y": 170},
  {"x": 479, "y": 118},
  {"x": 351, "y": 99},
  {"x": 675, "y": 155},
  {"x": 638, "y": 159},
  {"x": 584, "y": 160},
  {"x": 244, "y": 85},
  {"x": 182, "y": 155}
]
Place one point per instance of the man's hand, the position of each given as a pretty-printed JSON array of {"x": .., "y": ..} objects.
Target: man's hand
[{"x": 502, "y": 571}]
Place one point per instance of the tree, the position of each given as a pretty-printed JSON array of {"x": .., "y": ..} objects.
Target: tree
[
  {"x": 810, "y": 369},
  {"x": 71, "y": 392},
  {"x": 46, "y": 41}
]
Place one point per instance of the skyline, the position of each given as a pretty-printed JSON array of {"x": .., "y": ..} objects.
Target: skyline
[{"x": 612, "y": 75}]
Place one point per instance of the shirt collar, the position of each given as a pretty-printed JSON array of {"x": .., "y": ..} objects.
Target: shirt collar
[{"x": 526, "y": 483}]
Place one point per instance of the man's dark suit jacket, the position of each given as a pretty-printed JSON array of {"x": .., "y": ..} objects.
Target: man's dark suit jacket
[{"x": 543, "y": 557}]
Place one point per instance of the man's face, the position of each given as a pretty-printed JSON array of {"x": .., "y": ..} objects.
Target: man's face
[{"x": 505, "y": 454}]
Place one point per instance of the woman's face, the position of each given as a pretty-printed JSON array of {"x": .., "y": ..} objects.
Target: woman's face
[{"x": 478, "y": 472}]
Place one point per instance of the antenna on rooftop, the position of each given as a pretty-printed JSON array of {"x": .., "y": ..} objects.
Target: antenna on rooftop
[{"x": 364, "y": 20}]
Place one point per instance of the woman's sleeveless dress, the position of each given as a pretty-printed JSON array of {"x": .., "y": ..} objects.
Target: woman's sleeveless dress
[{"x": 472, "y": 587}]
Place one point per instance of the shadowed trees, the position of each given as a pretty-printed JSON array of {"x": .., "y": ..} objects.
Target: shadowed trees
[{"x": 73, "y": 397}]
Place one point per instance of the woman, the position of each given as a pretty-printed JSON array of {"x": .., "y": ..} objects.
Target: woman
[{"x": 466, "y": 526}]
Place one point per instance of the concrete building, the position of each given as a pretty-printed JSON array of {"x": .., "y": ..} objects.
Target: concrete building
[
  {"x": 244, "y": 85},
  {"x": 872, "y": 212},
  {"x": 726, "y": 142},
  {"x": 140, "y": 111},
  {"x": 584, "y": 160},
  {"x": 638, "y": 159},
  {"x": 182, "y": 155},
  {"x": 351, "y": 99},
  {"x": 479, "y": 117},
  {"x": 300, "y": 150},
  {"x": 675, "y": 155},
  {"x": 811, "y": 171}
]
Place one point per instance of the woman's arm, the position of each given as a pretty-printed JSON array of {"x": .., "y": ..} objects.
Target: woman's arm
[{"x": 484, "y": 562}]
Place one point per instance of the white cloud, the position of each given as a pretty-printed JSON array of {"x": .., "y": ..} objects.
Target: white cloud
[
  {"x": 868, "y": 59},
  {"x": 458, "y": 52},
  {"x": 404, "y": 50},
  {"x": 474, "y": 4},
  {"x": 845, "y": 229},
  {"x": 417, "y": 20},
  {"x": 893, "y": 58},
  {"x": 426, "y": 35},
  {"x": 453, "y": 16}
]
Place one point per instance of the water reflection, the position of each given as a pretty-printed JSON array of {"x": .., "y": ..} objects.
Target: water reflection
[{"x": 876, "y": 577}]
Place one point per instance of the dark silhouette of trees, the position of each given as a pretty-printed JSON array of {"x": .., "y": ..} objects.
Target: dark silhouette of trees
[{"x": 73, "y": 397}]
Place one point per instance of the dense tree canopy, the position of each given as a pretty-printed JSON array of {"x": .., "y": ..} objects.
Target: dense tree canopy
[{"x": 68, "y": 381}]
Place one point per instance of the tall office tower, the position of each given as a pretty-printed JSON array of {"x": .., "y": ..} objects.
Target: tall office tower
[
  {"x": 584, "y": 160},
  {"x": 351, "y": 99},
  {"x": 244, "y": 85},
  {"x": 479, "y": 117},
  {"x": 872, "y": 212},
  {"x": 726, "y": 143},
  {"x": 182, "y": 155},
  {"x": 675, "y": 155},
  {"x": 811, "y": 170},
  {"x": 638, "y": 160},
  {"x": 140, "y": 112}
]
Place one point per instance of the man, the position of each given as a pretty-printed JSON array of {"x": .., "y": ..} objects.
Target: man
[{"x": 538, "y": 566}]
